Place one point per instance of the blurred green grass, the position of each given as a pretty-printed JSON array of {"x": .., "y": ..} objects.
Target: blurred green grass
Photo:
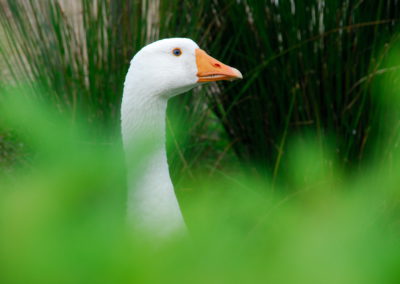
[{"x": 63, "y": 220}]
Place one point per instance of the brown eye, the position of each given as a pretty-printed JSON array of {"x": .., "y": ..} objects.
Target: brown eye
[{"x": 177, "y": 51}]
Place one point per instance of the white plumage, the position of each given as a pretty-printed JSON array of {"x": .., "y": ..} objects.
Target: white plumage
[{"x": 158, "y": 72}]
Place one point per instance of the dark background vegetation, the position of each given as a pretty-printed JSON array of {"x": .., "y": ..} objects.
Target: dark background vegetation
[{"x": 309, "y": 70}]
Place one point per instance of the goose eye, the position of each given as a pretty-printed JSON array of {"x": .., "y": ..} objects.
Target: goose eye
[{"x": 177, "y": 51}]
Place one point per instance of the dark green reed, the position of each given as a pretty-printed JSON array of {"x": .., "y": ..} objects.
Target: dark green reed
[
  {"x": 79, "y": 59},
  {"x": 309, "y": 70}
]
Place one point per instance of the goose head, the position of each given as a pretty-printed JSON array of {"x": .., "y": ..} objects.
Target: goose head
[
  {"x": 158, "y": 72},
  {"x": 168, "y": 67}
]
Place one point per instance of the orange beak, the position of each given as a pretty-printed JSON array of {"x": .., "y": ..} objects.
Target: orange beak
[{"x": 210, "y": 69}]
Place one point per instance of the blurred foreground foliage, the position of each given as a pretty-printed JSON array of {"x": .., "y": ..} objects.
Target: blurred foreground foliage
[{"x": 62, "y": 219}]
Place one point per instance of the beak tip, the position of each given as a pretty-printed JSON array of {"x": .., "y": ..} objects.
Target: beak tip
[{"x": 238, "y": 74}]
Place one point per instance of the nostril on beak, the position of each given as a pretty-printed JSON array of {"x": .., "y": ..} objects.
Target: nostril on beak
[{"x": 217, "y": 65}]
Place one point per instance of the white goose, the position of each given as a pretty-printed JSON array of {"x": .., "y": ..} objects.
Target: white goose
[{"x": 159, "y": 71}]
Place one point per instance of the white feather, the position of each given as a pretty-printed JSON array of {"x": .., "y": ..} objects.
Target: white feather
[{"x": 155, "y": 75}]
